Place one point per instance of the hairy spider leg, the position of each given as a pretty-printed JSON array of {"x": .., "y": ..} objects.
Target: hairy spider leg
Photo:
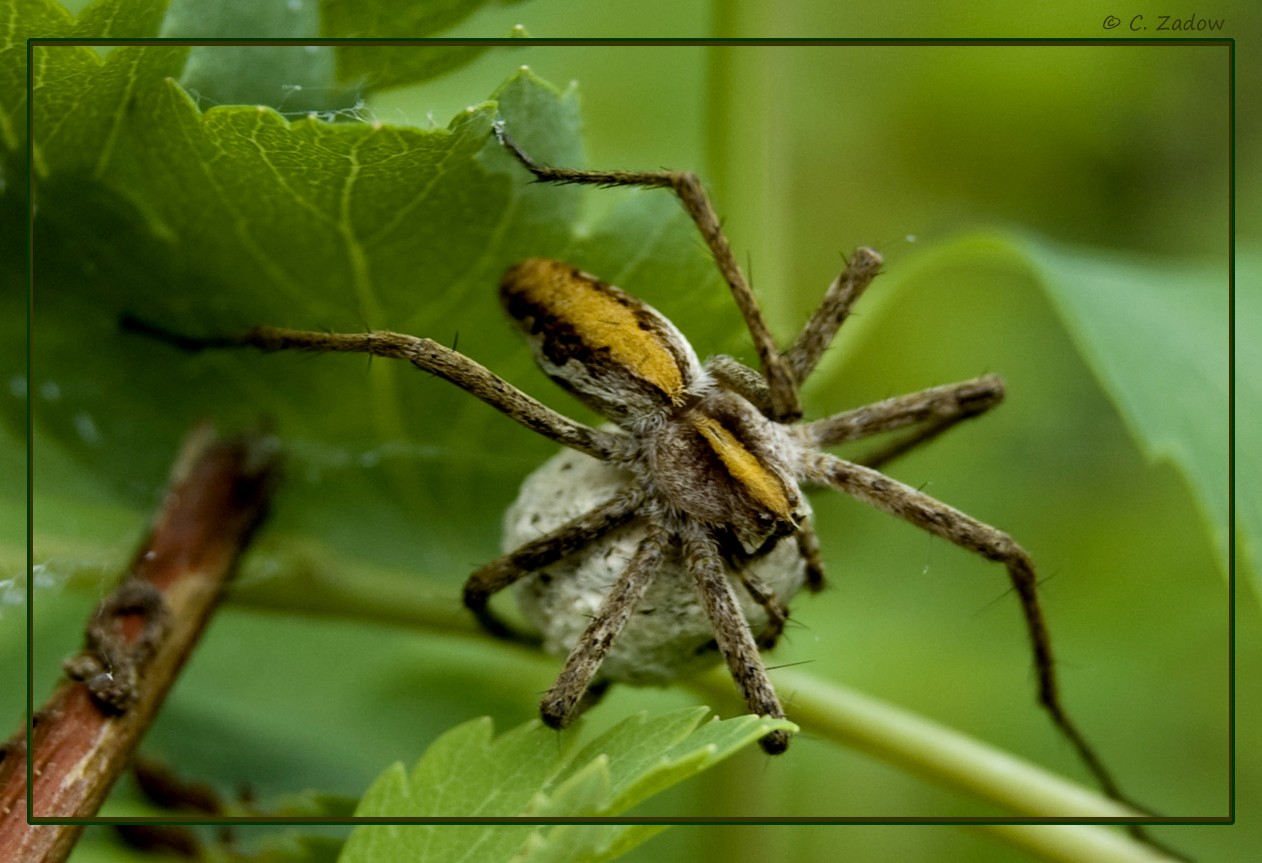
[
  {"x": 547, "y": 549},
  {"x": 559, "y": 705},
  {"x": 781, "y": 402},
  {"x": 936, "y": 409},
  {"x": 777, "y": 611},
  {"x": 808, "y": 547},
  {"x": 425, "y": 354},
  {"x": 818, "y": 332},
  {"x": 923, "y": 511},
  {"x": 735, "y": 641}
]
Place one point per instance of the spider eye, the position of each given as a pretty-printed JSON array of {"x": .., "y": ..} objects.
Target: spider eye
[{"x": 773, "y": 527}]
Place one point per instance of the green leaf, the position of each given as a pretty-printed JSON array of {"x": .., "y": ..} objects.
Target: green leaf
[
  {"x": 82, "y": 102},
  {"x": 1156, "y": 333},
  {"x": 373, "y": 69},
  {"x": 525, "y": 772},
  {"x": 589, "y": 843},
  {"x": 327, "y": 78},
  {"x": 315, "y": 78},
  {"x": 363, "y": 19},
  {"x": 639, "y": 758},
  {"x": 217, "y": 221},
  {"x": 119, "y": 19},
  {"x": 27, "y": 19},
  {"x": 81, "y": 99},
  {"x": 294, "y": 78}
]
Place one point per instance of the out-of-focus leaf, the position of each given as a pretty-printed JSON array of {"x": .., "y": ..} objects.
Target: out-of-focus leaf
[
  {"x": 279, "y": 845},
  {"x": 366, "y": 19},
  {"x": 468, "y": 773},
  {"x": 1156, "y": 334},
  {"x": 286, "y": 77},
  {"x": 292, "y": 78},
  {"x": 371, "y": 68},
  {"x": 374, "y": 69}
]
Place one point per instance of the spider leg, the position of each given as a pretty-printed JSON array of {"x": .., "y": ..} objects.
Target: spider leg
[
  {"x": 777, "y": 611},
  {"x": 808, "y": 547},
  {"x": 817, "y": 334},
  {"x": 884, "y": 493},
  {"x": 937, "y": 408},
  {"x": 786, "y": 406},
  {"x": 549, "y": 548},
  {"x": 559, "y": 705},
  {"x": 731, "y": 631},
  {"x": 425, "y": 354},
  {"x": 742, "y": 380}
]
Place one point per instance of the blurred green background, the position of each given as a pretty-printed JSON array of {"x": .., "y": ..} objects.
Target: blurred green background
[{"x": 811, "y": 151}]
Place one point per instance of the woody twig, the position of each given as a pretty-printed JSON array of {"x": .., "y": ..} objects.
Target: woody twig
[{"x": 137, "y": 640}]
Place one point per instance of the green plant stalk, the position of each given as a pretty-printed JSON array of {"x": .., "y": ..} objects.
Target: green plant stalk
[
  {"x": 308, "y": 578},
  {"x": 954, "y": 760},
  {"x": 933, "y": 750},
  {"x": 1073, "y": 843},
  {"x": 747, "y": 163},
  {"x": 718, "y": 104}
]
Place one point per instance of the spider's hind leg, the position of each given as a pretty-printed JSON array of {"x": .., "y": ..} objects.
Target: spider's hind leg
[
  {"x": 547, "y": 549},
  {"x": 808, "y": 547},
  {"x": 738, "y": 561},
  {"x": 923, "y": 511},
  {"x": 569, "y": 694}
]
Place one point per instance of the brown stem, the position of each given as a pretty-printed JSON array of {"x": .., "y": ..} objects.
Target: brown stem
[{"x": 83, "y": 736}]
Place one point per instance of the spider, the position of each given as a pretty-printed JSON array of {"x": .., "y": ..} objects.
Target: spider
[{"x": 709, "y": 457}]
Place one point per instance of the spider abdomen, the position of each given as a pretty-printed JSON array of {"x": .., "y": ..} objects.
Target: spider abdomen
[
  {"x": 669, "y": 635},
  {"x": 614, "y": 352}
]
